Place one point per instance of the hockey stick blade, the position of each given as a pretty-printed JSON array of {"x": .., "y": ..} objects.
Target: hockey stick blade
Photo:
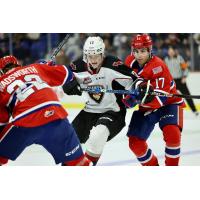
[{"x": 64, "y": 41}]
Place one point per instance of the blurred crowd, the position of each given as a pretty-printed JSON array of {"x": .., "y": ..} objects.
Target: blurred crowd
[{"x": 29, "y": 47}]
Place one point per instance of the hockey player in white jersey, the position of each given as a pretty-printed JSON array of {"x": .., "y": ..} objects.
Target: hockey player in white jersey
[{"x": 104, "y": 114}]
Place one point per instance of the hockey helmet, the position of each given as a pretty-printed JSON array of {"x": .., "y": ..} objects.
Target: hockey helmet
[
  {"x": 93, "y": 46},
  {"x": 7, "y": 60},
  {"x": 142, "y": 41}
]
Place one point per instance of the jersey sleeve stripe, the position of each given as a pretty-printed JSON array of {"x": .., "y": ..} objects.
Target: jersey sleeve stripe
[
  {"x": 132, "y": 63},
  {"x": 34, "y": 109},
  {"x": 172, "y": 85},
  {"x": 69, "y": 75}
]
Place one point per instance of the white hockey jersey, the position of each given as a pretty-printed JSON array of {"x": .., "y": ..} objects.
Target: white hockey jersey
[{"x": 112, "y": 75}]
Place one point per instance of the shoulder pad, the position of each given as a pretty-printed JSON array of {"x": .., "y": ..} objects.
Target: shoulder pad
[
  {"x": 111, "y": 61},
  {"x": 78, "y": 66}
]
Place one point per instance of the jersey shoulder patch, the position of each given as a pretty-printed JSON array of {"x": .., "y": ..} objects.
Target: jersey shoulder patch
[
  {"x": 154, "y": 67},
  {"x": 111, "y": 62},
  {"x": 157, "y": 70}
]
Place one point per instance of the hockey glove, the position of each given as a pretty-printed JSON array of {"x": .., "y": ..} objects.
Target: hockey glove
[
  {"x": 130, "y": 101},
  {"x": 72, "y": 88},
  {"x": 49, "y": 63},
  {"x": 144, "y": 89}
]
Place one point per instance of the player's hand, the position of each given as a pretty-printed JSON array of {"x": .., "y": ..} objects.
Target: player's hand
[
  {"x": 72, "y": 88},
  {"x": 144, "y": 89},
  {"x": 49, "y": 63},
  {"x": 130, "y": 101}
]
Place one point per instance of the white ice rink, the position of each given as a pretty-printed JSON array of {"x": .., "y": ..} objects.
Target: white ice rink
[{"x": 117, "y": 153}]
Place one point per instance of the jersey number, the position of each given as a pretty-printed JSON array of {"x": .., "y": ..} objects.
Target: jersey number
[
  {"x": 160, "y": 83},
  {"x": 24, "y": 89}
]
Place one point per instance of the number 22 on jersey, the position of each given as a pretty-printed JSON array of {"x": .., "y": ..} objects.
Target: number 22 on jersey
[{"x": 24, "y": 89}]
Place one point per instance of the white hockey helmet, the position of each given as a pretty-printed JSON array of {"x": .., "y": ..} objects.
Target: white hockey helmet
[{"x": 93, "y": 46}]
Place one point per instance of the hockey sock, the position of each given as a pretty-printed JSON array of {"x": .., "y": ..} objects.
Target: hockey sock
[
  {"x": 96, "y": 142},
  {"x": 81, "y": 161},
  {"x": 144, "y": 155},
  {"x": 172, "y": 137},
  {"x": 92, "y": 158}
]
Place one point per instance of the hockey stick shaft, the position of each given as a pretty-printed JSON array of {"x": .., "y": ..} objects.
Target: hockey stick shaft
[
  {"x": 99, "y": 90},
  {"x": 185, "y": 96},
  {"x": 62, "y": 43},
  {"x": 134, "y": 92}
]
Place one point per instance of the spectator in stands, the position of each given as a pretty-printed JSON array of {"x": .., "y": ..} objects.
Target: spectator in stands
[{"x": 35, "y": 44}]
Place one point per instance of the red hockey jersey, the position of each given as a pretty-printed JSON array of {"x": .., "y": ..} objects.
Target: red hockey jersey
[
  {"x": 27, "y": 93},
  {"x": 160, "y": 78}
]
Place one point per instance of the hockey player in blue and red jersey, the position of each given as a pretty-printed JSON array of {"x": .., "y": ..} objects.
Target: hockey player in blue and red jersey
[
  {"x": 33, "y": 114},
  {"x": 168, "y": 112}
]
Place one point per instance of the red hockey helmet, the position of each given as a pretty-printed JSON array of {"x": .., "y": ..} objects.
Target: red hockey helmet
[
  {"x": 6, "y": 60},
  {"x": 141, "y": 41}
]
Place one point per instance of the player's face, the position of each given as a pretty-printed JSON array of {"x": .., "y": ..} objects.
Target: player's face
[
  {"x": 95, "y": 60},
  {"x": 141, "y": 55}
]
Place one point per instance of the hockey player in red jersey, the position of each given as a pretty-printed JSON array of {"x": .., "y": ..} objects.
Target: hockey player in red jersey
[
  {"x": 168, "y": 112},
  {"x": 35, "y": 113}
]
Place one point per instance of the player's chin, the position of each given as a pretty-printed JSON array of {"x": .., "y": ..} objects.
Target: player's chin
[{"x": 141, "y": 62}]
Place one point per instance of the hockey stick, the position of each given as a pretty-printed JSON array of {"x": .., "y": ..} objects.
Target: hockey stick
[
  {"x": 135, "y": 92},
  {"x": 62, "y": 43},
  {"x": 101, "y": 90},
  {"x": 185, "y": 96}
]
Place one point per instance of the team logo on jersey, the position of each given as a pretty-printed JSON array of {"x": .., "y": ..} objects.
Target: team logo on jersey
[
  {"x": 97, "y": 97},
  {"x": 116, "y": 64},
  {"x": 49, "y": 113}
]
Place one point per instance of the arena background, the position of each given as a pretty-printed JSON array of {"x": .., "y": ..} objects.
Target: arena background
[{"x": 31, "y": 47}]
